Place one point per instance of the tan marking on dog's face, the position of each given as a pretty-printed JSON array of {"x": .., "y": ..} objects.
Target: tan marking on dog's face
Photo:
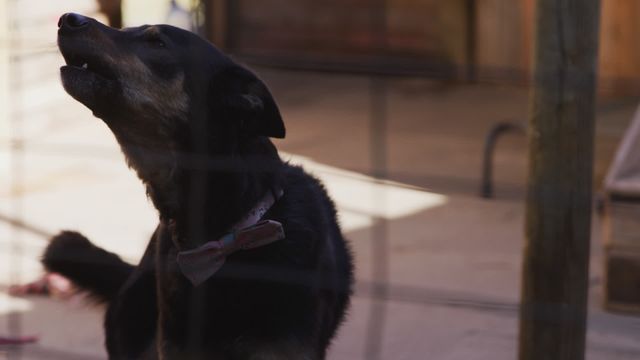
[
  {"x": 152, "y": 30},
  {"x": 143, "y": 90},
  {"x": 146, "y": 92}
]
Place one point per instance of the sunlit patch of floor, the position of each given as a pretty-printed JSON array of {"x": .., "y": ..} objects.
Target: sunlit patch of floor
[{"x": 361, "y": 199}]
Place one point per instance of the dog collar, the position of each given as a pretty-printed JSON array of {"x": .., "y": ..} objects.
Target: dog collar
[{"x": 201, "y": 263}]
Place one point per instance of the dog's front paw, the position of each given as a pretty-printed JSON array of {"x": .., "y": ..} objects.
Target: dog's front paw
[{"x": 64, "y": 247}]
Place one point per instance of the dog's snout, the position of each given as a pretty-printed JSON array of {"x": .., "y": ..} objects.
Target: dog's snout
[{"x": 72, "y": 21}]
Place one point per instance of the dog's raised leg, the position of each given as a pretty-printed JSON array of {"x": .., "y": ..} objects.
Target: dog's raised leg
[{"x": 90, "y": 268}]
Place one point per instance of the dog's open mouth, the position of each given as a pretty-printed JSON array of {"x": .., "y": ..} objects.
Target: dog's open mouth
[
  {"x": 87, "y": 75},
  {"x": 87, "y": 64}
]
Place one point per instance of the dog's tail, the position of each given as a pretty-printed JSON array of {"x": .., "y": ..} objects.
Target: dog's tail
[{"x": 89, "y": 267}]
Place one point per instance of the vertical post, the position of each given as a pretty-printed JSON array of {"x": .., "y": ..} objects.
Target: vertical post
[
  {"x": 12, "y": 46},
  {"x": 216, "y": 21},
  {"x": 471, "y": 28},
  {"x": 558, "y": 217},
  {"x": 379, "y": 230},
  {"x": 232, "y": 29},
  {"x": 4, "y": 68}
]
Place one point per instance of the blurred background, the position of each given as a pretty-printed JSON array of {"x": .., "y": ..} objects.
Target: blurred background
[{"x": 413, "y": 112}]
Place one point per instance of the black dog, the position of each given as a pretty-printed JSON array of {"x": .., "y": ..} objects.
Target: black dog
[{"x": 194, "y": 125}]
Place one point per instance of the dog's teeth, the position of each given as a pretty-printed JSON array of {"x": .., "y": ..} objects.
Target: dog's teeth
[{"x": 85, "y": 66}]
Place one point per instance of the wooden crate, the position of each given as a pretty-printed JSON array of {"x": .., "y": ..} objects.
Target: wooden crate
[{"x": 622, "y": 255}]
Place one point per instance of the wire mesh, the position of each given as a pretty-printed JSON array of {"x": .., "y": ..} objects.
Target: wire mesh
[
  {"x": 17, "y": 169},
  {"x": 380, "y": 291}
]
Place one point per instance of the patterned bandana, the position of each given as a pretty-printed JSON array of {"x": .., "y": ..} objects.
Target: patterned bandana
[{"x": 201, "y": 263}]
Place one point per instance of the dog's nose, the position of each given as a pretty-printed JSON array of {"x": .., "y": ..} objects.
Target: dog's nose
[{"x": 72, "y": 20}]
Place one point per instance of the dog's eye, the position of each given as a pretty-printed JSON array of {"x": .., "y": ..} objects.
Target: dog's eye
[{"x": 156, "y": 42}]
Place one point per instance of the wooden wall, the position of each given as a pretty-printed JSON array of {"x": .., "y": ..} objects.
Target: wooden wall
[
  {"x": 620, "y": 47},
  {"x": 431, "y": 32},
  {"x": 424, "y": 34},
  {"x": 503, "y": 38},
  {"x": 504, "y": 43}
]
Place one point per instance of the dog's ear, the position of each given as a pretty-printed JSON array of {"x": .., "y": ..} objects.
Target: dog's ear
[{"x": 248, "y": 100}]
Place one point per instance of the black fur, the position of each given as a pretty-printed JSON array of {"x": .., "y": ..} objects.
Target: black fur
[
  {"x": 100, "y": 272},
  {"x": 204, "y": 166}
]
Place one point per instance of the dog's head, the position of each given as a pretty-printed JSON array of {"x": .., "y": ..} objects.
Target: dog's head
[
  {"x": 152, "y": 80},
  {"x": 164, "y": 92}
]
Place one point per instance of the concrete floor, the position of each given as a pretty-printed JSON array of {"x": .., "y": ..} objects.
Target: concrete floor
[{"x": 454, "y": 259}]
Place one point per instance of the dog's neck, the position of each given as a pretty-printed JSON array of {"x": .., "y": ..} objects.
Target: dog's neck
[
  {"x": 199, "y": 183},
  {"x": 208, "y": 194}
]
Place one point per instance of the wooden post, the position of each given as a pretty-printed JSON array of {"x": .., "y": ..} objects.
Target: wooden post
[
  {"x": 556, "y": 257},
  {"x": 216, "y": 22},
  {"x": 4, "y": 71},
  {"x": 471, "y": 28}
]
